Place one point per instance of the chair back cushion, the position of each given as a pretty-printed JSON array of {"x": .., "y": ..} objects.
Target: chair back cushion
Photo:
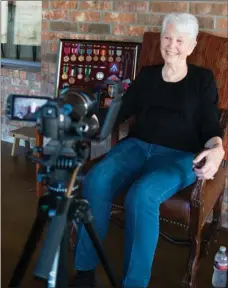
[{"x": 210, "y": 52}]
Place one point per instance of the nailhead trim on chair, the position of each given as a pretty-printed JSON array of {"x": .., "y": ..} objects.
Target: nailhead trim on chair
[
  {"x": 176, "y": 223},
  {"x": 118, "y": 206},
  {"x": 121, "y": 209}
]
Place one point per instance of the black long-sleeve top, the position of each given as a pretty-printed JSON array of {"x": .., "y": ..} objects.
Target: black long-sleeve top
[{"x": 181, "y": 115}]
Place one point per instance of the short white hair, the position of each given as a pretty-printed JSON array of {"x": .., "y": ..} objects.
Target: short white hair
[{"x": 184, "y": 22}]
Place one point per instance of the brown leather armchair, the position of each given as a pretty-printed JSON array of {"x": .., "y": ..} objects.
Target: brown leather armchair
[{"x": 190, "y": 208}]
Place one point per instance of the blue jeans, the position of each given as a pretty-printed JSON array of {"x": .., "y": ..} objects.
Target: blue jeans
[{"x": 152, "y": 173}]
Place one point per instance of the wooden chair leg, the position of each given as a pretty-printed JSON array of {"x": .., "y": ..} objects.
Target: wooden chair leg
[
  {"x": 27, "y": 146},
  {"x": 213, "y": 229},
  {"x": 217, "y": 211},
  {"x": 193, "y": 263},
  {"x": 15, "y": 146}
]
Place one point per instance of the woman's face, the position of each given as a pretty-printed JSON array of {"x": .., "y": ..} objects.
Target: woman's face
[{"x": 175, "y": 46}]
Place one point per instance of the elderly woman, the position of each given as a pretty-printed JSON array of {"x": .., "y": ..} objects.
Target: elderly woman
[{"x": 176, "y": 116}]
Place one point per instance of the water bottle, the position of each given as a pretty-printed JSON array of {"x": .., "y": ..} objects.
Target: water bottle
[{"x": 219, "y": 278}]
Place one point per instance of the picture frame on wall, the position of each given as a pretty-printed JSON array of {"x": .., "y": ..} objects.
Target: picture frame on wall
[{"x": 88, "y": 64}]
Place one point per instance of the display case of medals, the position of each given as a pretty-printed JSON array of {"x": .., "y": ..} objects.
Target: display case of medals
[{"x": 87, "y": 63}]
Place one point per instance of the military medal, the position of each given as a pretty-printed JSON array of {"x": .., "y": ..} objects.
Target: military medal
[
  {"x": 66, "y": 52},
  {"x": 96, "y": 53},
  {"x": 118, "y": 53},
  {"x": 81, "y": 57},
  {"x": 103, "y": 53},
  {"x": 65, "y": 70},
  {"x": 66, "y": 58},
  {"x": 71, "y": 80},
  {"x": 111, "y": 53},
  {"x": 72, "y": 73},
  {"x": 100, "y": 75},
  {"x": 89, "y": 57},
  {"x": 87, "y": 73},
  {"x": 121, "y": 70},
  {"x": 74, "y": 52},
  {"x": 80, "y": 76}
]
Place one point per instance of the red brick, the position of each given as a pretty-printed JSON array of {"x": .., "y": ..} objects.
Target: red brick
[
  {"x": 85, "y": 36},
  {"x": 222, "y": 23},
  {"x": 154, "y": 29},
  {"x": 85, "y": 16},
  {"x": 94, "y": 28},
  {"x": 131, "y": 6},
  {"x": 55, "y": 14},
  {"x": 63, "y": 26},
  {"x": 45, "y": 48},
  {"x": 206, "y": 22},
  {"x": 116, "y": 17},
  {"x": 148, "y": 19},
  {"x": 120, "y": 29},
  {"x": 122, "y": 38},
  {"x": 53, "y": 46},
  {"x": 95, "y": 5},
  {"x": 166, "y": 7},
  {"x": 222, "y": 33},
  {"x": 44, "y": 67},
  {"x": 38, "y": 77},
  {"x": 45, "y": 4},
  {"x": 10, "y": 73},
  {"x": 52, "y": 68},
  {"x": 45, "y": 25},
  {"x": 16, "y": 73},
  {"x": 209, "y": 8},
  {"x": 46, "y": 36},
  {"x": 135, "y": 30},
  {"x": 3, "y": 71},
  {"x": 64, "y": 4},
  {"x": 23, "y": 74}
]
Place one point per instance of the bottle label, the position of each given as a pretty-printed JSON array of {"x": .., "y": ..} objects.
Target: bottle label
[{"x": 222, "y": 267}]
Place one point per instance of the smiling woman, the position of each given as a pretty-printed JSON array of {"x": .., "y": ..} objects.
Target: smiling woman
[
  {"x": 178, "y": 40},
  {"x": 21, "y": 31}
]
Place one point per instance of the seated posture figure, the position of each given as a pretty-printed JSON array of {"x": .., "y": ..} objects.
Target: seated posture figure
[{"x": 176, "y": 116}]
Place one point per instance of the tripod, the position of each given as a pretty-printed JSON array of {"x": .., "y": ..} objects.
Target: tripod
[{"x": 52, "y": 263}]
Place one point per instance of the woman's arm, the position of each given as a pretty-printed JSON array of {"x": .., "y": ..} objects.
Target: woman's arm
[
  {"x": 210, "y": 130},
  {"x": 132, "y": 99},
  {"x": 214, "y": 156}
]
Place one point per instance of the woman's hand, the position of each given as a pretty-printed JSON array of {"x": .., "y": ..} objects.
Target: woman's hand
[{"x": 214, "y": 158}]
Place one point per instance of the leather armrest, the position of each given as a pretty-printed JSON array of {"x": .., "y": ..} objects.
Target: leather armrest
[
  {"x": 210, "y": 193},
  {"x": 223, "y": 120},
  {"x": 224, "y": 129}
]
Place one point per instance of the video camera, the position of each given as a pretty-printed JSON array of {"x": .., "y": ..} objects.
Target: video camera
[{"x": 75, "y": 114}]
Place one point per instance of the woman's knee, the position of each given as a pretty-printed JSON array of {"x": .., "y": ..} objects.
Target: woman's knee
[
  {"x": 97, "y": 181},
  {"x": 140, "y": 197}
]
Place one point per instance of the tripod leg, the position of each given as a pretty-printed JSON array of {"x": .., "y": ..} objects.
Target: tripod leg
[
  {"x": 52, "y": 279},
  {"x": 62, "y": 274},
  {"x": 101, "y": 253},
  {"x": 30, "y": 246}
]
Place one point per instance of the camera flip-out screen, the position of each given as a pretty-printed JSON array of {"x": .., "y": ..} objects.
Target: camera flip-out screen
[{"x": 24, "y": 108}]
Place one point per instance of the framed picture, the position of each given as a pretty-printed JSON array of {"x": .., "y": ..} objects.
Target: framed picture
[{"x": 89, "y": 64}]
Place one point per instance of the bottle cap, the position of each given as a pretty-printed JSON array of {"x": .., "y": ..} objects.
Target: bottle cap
[{"x": 222, "y": 249}]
